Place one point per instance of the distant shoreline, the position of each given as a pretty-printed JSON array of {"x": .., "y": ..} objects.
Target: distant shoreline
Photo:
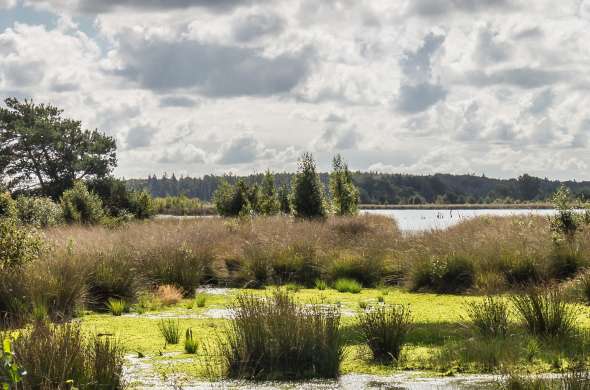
[{"x": 494, "y": 206}]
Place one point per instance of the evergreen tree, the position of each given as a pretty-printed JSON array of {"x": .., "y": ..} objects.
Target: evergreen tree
[
  {"x": 269, "y": 200},
  {"x": 307, "y": 197},
  {"x": 231, "y": 201},
  {"x": 284, "y": 204},
  {"x": 345, "y": 195}
]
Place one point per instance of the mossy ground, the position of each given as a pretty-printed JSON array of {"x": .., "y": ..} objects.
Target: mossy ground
[{"x": 441, "y": 342}]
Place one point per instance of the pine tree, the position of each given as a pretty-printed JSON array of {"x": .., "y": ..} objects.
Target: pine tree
[
  {"x": 345, "y": 195},
  {"x": 269, "y": 200},
  {"x": 307, "y": 197},
  {"x": 284, "y": 203}
]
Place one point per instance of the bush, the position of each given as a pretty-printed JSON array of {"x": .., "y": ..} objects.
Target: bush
[
  {"x": 274, "y": 338},
  {"x": 367, "y": 270},
  {"x": 385, "y": 329},
  {"x": 489, "y": 317},
  {"x": 81, "y": 206},
  {"x": 190, "y": 344},
  {"x": 545, "y": 312},
  {"x": 347, "y": 285},
  {"x": 232, "y": 201},
  {"x": 57, "y": 356},
  {"x": 201, "y": 300},
  {"x": 18, "y": 244},
  {"x": 520, "y": 270},
  {"x": 39, "y": 212},
  {"x": 451, "y": 274},
  {"x": 7, "y": 205},
  {"x": 141, "y": 205},
  {"x": 168, "y": 295},
  {"x": 564, "y": 263},
  {"x": 170, "y": 330},
  {"x": 297, "y": 263},
  {"x": 114, "y": 276}
]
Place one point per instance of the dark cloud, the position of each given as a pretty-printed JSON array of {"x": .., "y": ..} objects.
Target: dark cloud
[
  {"x": 442, "y": 7},
  {"x": 340, "y": 138},
  {"x": 178, "y": 101},
  {"x": 140, "y": 137},
  {"x": 417, "y": 65},
  {"x": 253, "y": 26},
  {"x": 523, "y": 77},
  {"x": 103, "y": 6},
  {"x": 23, "y": 74},
  {"x": 419, "y": 97},
  {"x": 213, "y": 70},
  {"x": 240, "y": 150}
]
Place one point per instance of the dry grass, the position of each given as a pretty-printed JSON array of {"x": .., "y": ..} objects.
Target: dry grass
[{"x": 168, "y": 295}]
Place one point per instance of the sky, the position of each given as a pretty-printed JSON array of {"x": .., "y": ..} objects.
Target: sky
[{"x": 494, "y": 87}]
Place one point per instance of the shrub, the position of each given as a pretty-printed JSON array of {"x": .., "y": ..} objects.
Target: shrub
[
  {"x": 385, "y": 329},
  {"x": 81, "y": 206},
  {"x": 232, "y": 201},
  {"x": 116, "y": 306},
  {"x": 292, "y": 287},
  {"x": 56, "y": 355},
  {"x": 112, "y": 275},
  {"x": 18, "y": 244},
  {"x": 7, "y": 205},
  {"x": 345, "y": 195},
  {"x": 489, "y": 317},
  {"x": 451, "y": 274},
  {"x": 347, "y": 285},
  {"x": 520, "y": 270},
  {"x": 141, "y": 205},
  {"x": 297, "y": 263},
  {"x": 564, "y": 263},
  {"x": 190, "y": 344},
  {"x": 256, "y": 267},
  {"x": 201, "y": 300},
  {"x": 274, "y": 338},
  {"x": 170, "y": 330},
  {"x": 168, "y": 294},
  {"x": 545, "y": 312},
  {"x": 39, "y": 212},
  {"x": 366, "y": 270}
]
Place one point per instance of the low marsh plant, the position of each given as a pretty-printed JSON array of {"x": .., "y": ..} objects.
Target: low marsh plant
[
  {"x": 116, "y": 306},
  {"x": 59, "y": 356},
  {"x": 545, "y": 312},
  {"x": 292, "y": 287},
  {"x": 168, "y": 295},
  {"x": 490, "y": 317},
  {"x": 347, "y": 285},
  {"x": 190, "y": 344},
  {"x": 385, "y": 328},
  {"x": 200, "y": 300},
  {"x": 320, "y": 284},
  {"x": 448, "y": 274},
  {"x": 170, "y": 330},
  {"x": 275, "y": 338}
]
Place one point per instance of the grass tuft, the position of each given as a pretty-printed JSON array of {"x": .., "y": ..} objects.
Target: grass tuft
[
  {"x": 190, "y": 344},
  {"x": 170, "y": 330},
  {"x": 347, "y": 285},
  {"x": 489, "y": 317},
  {"x": 168, "y": 295},
  {"x": 116, "y": 306}
]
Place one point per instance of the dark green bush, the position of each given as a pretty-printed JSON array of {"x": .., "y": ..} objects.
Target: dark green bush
[
  {"x": 451, "y": 274},
  {"x": 385, "y": 328},
  {"x": 59, "y": 356},
  {"x": 81, "y": 206},
  {"x": 113, "y": 275},
  {"x": 7, "y": 205},
  {"x": 367, "y": 270},
  {"x": 520, "y": 270},
  {"x": 298, "y": 263},
  {"x": 564, "y": 263},
  {"x": 275, "y": 338},
  {"x": 18, "y": 244},
  {"x": 347, "y": 286}
]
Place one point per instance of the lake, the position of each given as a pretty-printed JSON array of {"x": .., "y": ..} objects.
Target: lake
[{"x": 420, "y": 220}]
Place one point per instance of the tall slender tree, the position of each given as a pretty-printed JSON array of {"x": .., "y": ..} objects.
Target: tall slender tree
[
  {"x": 269, "y": 200},
  {"x": 345, "y": 195},
  {"x": 307, "y": 197}
]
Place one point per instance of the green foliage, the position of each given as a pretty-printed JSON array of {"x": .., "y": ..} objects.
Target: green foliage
[
  {"x": 450, "y": 274},
  {"x": 41, "y": 147},
  {"x": 545, "y": 312},
  {"x": 7, "y": 205},
  {"x": 141, "y": 205},
  {"x": 180, "y": 205},
  {"x": 368, "y": 270},
  {"x": 567, "y": 222},
  {"x": 307, "y": 196},
  {"x": 385, "y": 329},
  {"x": 190, "y": 344},
  {"x": 55, "y": 356},
  {"x": 269, "y": 203},
  {"x": 345, "y": 195},
  {"x": 11, "y": 373},
  {"x": 489, "y": 317},
  {"x": 39, "y": 212},
  {"x": 81, "y": 206},
  {"x": 18, "y": 244},
  {"x": 112, "y": 276},
  {"x": 231, "y": 201},
  {"x": 275, "y": 338},
  {"x": 116, "y": 306},
  {"x": 118, "y": 201},
  {"x": 284, "y": 203},
  {"x": 200, "y": 300},
  {"x": 321, "y": 284},
  {"x": 347, "y": 285},
  {"x": 170, "y": 330}
]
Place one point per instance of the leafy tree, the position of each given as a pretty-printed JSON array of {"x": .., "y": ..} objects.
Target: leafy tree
[
  {"x": 19, "y": 244},
  {"x": 141, "y": 204},
  {"x": 41, "y": 149},
  {"x": 269, "y": 200},
  {"x": 307, "y": 197},
  {"x": 231, "y": 201},
  {"x": 284, "y": 203},
  {"x": 345, "y": 195},
  {"x": 81, "y": 206}
]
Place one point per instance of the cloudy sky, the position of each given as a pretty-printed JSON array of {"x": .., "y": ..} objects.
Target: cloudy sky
[{"x": 499, "y": 87}]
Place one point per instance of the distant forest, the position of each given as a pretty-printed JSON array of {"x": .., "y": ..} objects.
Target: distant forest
[{"x": 381, "y": 188}]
